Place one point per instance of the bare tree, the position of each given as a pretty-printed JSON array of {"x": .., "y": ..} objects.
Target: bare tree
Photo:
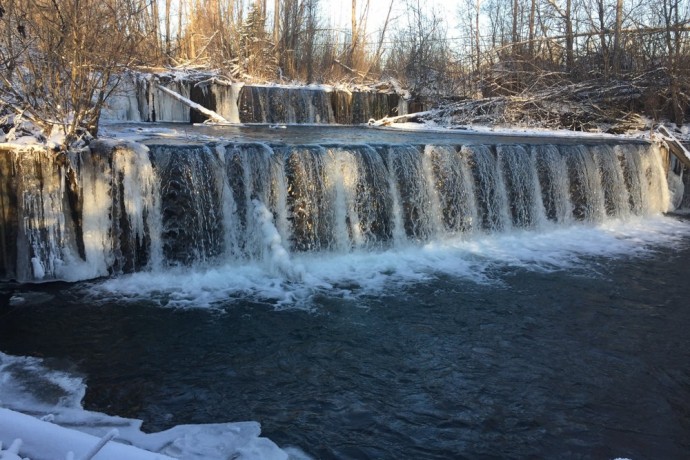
[
  {"x": 356, "y": 52},
  {"x": 61, "y": 60},
  {"x": 376, "y": 60},
  {"x": 671, "y": 21},
  {"x": 565, "y": 12},
  {"x": 617, "y": 52},
  {"x": 421, "y": 56},
  {"x": 310, "y": 37},
  {"x": 531, "y": 34}
]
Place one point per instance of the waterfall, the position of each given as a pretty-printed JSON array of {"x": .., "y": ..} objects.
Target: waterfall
[
  {"x": 616, "y": 198},
  {"x": 191, "y": 203},
  {"x": 418, "y": 202},
  {"x": 257, "y": 176},
  {"x": 552, "y": 170},
  {"x": 492, "y": 197},
  {"x": 455, "y": 188},
  {"x": 120, "y": 208},
  {"x": 226, "y": 101},
  {"x": 585, "y": 185},
  {"x": 522, "y": 186},
  {"x": 141, "y": 100}
]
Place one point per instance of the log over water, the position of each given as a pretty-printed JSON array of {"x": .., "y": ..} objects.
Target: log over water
[{"x": 122, "y": 208}]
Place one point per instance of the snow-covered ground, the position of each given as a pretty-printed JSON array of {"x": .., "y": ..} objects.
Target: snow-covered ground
[{"x": 41, "y": 407}]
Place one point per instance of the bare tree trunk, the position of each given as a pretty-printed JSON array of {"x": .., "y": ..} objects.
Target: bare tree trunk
[
  {"x": 191, "y": 30},
  {"x": 167, "y": 31},
  {"x": 180, "y": 14},
  {"x": 532, "y": 12},
  {"x": 379, "y": 46},
  {"x": 515, "y": 11},
  {"x": 311, "y": 33},
  {"x": 617, "y": 52},
  {"x": 671, "y": 22},
  {"x": 155, "y": 30},
  {"x": 276, "y": 23},
  {"x": 602, "y": 38},
  {"x": 569, "y": 37},
  {"x": 477, "y": 43},
  {"x": 353, "y": 44}
]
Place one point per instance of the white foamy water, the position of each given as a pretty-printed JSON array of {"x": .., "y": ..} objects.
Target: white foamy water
[{"x": 375, "y": 272}]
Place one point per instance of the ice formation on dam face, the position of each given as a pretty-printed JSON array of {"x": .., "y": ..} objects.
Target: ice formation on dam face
[{"x": 122, "y": 208}]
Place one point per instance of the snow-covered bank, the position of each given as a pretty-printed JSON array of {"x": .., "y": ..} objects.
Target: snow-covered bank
[
  {"x": 43, "y": 439},
  {"x": 42, "y": 407}
]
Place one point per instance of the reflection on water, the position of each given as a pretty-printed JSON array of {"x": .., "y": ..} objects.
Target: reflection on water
[{"x": 587, "y": 363}]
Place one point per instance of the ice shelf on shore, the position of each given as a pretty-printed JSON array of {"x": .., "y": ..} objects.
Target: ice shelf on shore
[{"x": 42, "y": 408}]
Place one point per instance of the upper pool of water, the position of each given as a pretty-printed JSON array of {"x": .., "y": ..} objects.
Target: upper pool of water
[{"x": 338, "y": 134}]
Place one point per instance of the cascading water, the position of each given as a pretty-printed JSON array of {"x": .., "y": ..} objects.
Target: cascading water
[
  {"x": 492, "y": 197},
  {"x": 258, "y": 180},
  {"x": 418, "y": 203},
  {"x": 455, "y": 188},
  {"x": 142, "y": 100},
  {"x": 616, "y": 199},
  {"x": 129, "y": 208},
  {"x": 191, "y": 188},
  {"x": 552, "y": 174},
  {"x": 522, "y": 184}
]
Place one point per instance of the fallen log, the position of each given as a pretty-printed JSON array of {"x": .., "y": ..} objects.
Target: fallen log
[
  {"x": 674, "y": 145},
  {"x": 387, "y": 121},
  {"x": 210, "y": 114}
]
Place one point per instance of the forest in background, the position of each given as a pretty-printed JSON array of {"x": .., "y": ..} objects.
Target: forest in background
[{"x": 59, "y": 59}]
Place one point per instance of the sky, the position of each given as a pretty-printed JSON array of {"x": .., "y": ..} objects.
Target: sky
[{"x": 340, "y": 12}]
